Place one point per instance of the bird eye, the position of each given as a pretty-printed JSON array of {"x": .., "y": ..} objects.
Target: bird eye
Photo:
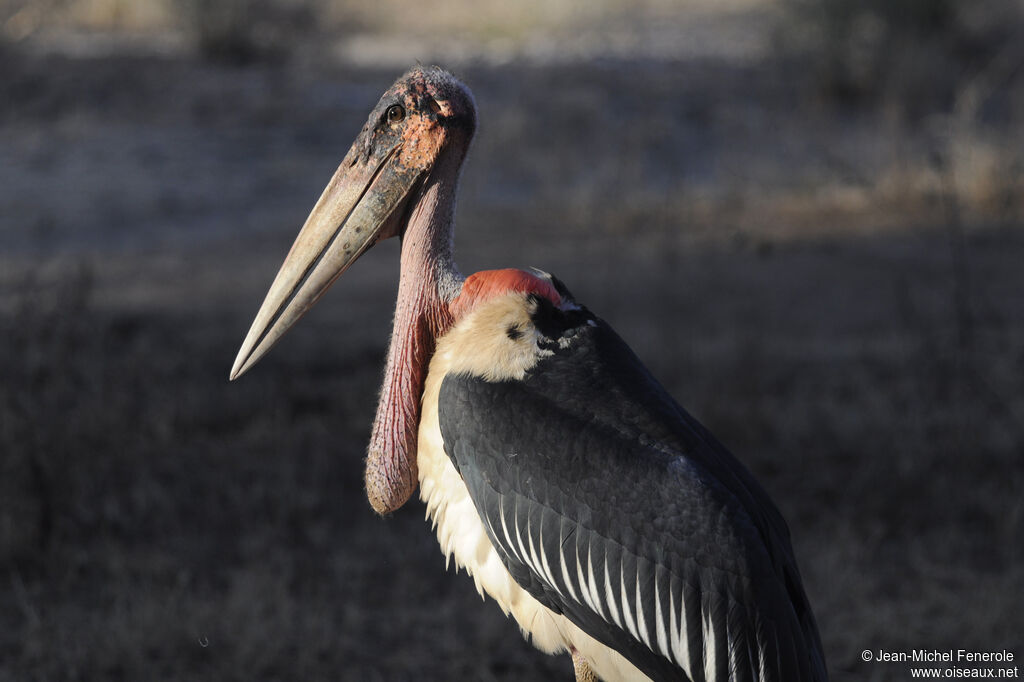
[{"x": 395, "y": 113}]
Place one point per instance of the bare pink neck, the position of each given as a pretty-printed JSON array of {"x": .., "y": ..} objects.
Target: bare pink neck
[{"x": 428, "y": 282}]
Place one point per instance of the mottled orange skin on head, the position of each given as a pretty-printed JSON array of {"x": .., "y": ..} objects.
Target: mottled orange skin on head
[
  {"x": 434, "y": 112},
  {"x": 424, "y": 135}
]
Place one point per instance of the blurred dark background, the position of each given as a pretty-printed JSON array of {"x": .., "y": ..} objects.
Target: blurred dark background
[{"x": 805, "y": 215}]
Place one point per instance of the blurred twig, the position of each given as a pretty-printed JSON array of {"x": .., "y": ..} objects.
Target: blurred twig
[
  {"x": 963, "y": 122},
  {"x": 996, "y": 74},
  {"x": 21, "y": 19},
  {"x": 954, "y": 144}
]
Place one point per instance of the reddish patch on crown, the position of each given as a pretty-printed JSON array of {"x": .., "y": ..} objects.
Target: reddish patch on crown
[{"x": 483, "y": 286}]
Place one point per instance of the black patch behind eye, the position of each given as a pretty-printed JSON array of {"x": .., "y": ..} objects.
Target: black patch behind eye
[{"x": 552, "y": 322}]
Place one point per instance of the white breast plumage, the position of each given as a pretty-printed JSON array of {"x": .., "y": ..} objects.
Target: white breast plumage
[{"x": 471, "y": 347}]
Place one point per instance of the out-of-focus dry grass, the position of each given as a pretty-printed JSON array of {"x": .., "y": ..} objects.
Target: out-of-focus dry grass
[{"x": 834, "y": 290}]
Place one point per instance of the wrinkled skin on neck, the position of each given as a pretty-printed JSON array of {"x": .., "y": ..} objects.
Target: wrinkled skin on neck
[{"x": 428, "y": 283}]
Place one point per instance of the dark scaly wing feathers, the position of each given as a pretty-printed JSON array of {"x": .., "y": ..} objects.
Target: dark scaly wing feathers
[{"x": 612, "y": 505}]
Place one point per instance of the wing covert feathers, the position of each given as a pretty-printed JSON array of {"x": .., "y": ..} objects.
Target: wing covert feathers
[{"x": 611, "y": 505}]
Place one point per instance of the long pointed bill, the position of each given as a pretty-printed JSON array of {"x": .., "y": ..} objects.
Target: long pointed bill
[{"x": 351, "y": 215}]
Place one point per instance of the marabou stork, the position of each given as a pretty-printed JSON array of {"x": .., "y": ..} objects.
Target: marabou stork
[{"x": 573, "y": 489}]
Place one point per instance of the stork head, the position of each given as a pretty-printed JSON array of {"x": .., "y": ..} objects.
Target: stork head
[{"x": 426, "y": 115}]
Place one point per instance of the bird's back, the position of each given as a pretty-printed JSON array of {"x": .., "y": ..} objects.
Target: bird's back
[{"x": 611, "y": 505}]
